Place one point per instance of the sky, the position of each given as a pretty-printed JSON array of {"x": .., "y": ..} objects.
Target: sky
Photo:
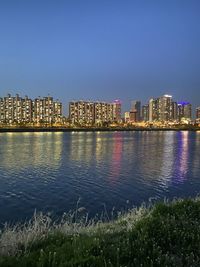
[{"x": 100, "y": 49}]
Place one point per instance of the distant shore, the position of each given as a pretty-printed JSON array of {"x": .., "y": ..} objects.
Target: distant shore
[{"x": 93, "y": 129}]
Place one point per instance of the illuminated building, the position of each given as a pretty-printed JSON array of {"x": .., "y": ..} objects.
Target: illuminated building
[
  {"x": 127, "y": 117},
  {"x": 46, "y": 110},
  {"x": 136, "y": 106},
  {"x": 25, "y": 110},
  {"x": 1, "y": 110},
  {"x": 133, "y": 115},
  {"x": 165, "y": 108},
  {"x": 184, "y": 111},
  {"x": 103, "y": 112},
  {"x": 198, "y": 113},
  {"x": 145, "y": 113},
  {"x": 15, "y": 109},
  {"x": 117, "y": 111},
  {"x": 81, "y": 112},
  {"x": 57, "y": 111},
  {"x": 162, "y": 109},
  {"x": 89, "y": 113},
  {"x": 175, "y": 111},
  {"x": 153, "y": 109},
  {"x": 9, "y": 108}
]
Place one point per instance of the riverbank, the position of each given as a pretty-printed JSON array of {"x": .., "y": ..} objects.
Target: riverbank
[
  {"x": 94, "y": 129},
  {"x": 167, "y": 234}
]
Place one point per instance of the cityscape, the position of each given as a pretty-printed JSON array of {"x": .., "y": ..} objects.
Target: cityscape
[
  {"x": 160, "y": 111},
  {"x": 99, "y": 133}
]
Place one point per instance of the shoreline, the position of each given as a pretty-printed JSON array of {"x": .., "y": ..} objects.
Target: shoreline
[
  {"x": 96, "y": 129},
  {"x": 138, "y": 236}
]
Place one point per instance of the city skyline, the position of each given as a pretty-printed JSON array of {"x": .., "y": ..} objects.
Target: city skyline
[
  {"x": 99, "y": 49},
  {"x": 129, "y": 103},
  {"x": 18, "y": 109}
]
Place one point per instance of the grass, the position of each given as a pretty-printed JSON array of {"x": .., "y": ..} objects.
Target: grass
[{"x": 166, "y": 234}]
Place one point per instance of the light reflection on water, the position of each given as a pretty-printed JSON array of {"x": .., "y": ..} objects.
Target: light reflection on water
[
  {"x": 115, "y": 167},
  {"x": 30, "y": 150},
  {"x": 167, "y": 159},
  {"x": 182, "y": 164},
  {"x": 50, "y": 171}
]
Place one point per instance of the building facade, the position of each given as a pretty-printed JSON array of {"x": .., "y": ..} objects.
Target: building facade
[
  {"x": 163, "y": 109},
  {"x": 154, "y": 110},
  {"x": 136, "y": 107},
  {"x": 90, "y": 113},
  {"x": 117, "y": 109},
  {"x": 184, "y": 111},
  {"x": 145, "y": 113},
  {"x": 127, "y": 117},
  {"x": 133, "y": 116},
  {"x": 25, "y": 110},
  {"x": 198, "y": 113}
]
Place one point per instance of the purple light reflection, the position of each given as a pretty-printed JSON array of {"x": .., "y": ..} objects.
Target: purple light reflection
[
  {"x": 181, "y": 167},
  {"x": 116, "y": 157}
]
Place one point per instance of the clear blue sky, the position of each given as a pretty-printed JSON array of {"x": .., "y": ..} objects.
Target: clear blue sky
[{"x": 100, "y": 50}]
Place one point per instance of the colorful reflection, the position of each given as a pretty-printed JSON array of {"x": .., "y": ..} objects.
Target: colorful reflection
[
  {"x": 181, "y": 167},
  {"x": 116, "y": 156}
]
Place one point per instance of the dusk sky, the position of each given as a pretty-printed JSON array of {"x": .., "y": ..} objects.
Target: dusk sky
[{"x": 100, "y": 50}]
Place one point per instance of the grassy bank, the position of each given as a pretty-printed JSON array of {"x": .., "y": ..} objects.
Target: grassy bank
[{"x": 167, "y": 234}]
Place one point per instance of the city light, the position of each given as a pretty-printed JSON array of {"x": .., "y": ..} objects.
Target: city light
[{"x": 160, "y": 112}]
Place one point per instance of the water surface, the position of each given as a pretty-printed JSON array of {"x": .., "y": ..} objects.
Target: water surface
[{"x": 50, "y": 171}]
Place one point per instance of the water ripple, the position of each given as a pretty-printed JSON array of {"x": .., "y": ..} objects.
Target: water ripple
[{"x": 51, "y": 171}]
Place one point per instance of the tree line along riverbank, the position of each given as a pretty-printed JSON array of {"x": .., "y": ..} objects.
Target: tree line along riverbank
[{"x": 164, "y": 234}]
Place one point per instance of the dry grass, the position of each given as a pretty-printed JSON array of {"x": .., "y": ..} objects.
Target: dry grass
[
  {"x": 18, "y": 239},
  {"x": 165, "y": 234}
]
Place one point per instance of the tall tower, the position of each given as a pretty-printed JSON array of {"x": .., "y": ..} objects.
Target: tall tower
[
  {"x": 184, "y": 111},
  {"x": 136, "y": 107},
  {"x": 117, "y": 110},
  {"x": 175, "y": 111},
  {"x": 198, "y": 113},
  {"x": 165, "y": 108},
  {"x": 154, "y": 109},
  {"x": 145, "y": 113}
]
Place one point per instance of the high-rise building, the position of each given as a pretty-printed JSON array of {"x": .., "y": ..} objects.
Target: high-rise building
[
  {"x": 184, "y": 111},
  {"x": 2, "y": 110},
  {"x": 38, "y": 110},
  {"x": 46, "y": 110},
  {"x": 136, "y": 107},
  {"x": 165, "y": 108},
  {"x": 117, "y": 106},
  {"x": 82, "y": 112},
  {"x": 57, "y": 111},
  {"x": 145, "y": 113},
  {"x": 133, "y": 116},
  {"x": 154, "y": 109},
  {"x": 25, "y": 110},
  {"x": 87, "y": 112},
  {"x": 198, "y": 113},
  {"x": 127, "y": 117},
  {"x": 175, "y": 111},
  {"x": 162, "y": 109},
  {"x": 9, "y": 107},
  {"x": 103, "y": 112}
]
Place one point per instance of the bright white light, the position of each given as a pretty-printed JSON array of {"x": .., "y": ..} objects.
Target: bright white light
[{"x": 167, "y": 95}]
